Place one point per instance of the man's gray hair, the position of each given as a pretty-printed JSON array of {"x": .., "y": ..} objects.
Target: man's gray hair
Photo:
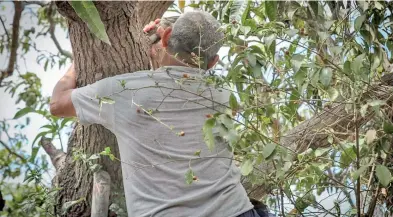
[{"x": 193, "y": 30}]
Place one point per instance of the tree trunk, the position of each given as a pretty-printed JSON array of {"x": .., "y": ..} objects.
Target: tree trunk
[{"x": 95, "y": 60}]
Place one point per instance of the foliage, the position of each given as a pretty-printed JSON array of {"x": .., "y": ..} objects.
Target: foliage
[
  {"x": 291, "y": 61},
  {"x": 287, "y": 63}
]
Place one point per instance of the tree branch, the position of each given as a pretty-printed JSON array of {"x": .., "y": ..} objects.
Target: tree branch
[
  {"x": 14, "y": 44},
  {"x": 51, "y": 30},
  {"x": 12, "y": 152},
  {"x": 5, "y": 30},
  {"x": 313, "y": 133},
  {"x": 57, "y": 156}
]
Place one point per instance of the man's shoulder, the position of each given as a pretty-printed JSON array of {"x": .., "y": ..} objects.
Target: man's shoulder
[{"x": 131, "y": 76}]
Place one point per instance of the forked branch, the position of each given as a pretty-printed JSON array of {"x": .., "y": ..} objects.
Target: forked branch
[{"x": 14, "y": 42}]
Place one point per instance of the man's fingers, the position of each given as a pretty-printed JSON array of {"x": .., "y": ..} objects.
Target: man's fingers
[
  {"x": 160, "y": 31},
  {"x": 151, "y": 25}
]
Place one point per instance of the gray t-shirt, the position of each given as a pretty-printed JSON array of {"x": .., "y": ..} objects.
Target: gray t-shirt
[{"x": 158, "y": 124}]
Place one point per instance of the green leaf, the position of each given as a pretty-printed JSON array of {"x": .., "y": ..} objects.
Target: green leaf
[
  {"x": 389, "y": 45},
  {"x": 371, "y": 135},
  {"x": 238, "y": 8},
  {"x": 377, "y": 102},
  {"x": 34, "y": 152},
  {"x": 87, "y": 11},
  {"x": 359, "y": 21},
  {"x": 107, "y": 100},
  {"x": 245, "y": 29},
  {"x": 271, "y": 10},
  {"x": 39, "y": 136},
  {"x": 321, "y": 151},
  {"x": 208, "y": 133},
  {"x": 226, "y": 120},
  {"x": 231, "y": 136},
  {"x": 107, "y": 151},
  {"x": 65, "y": 121},
  {"x": 363, "y": 110},
  {"x": 46, "y": 65},
  {"x": 376, "y": 62},
  {"x": 330, "y": 139},
  {"x": 269, "y": 40},
  {"x": 333, "y": 93},
  {"x": 326, "y": 76},
  {"x": 233, "y": 102},
  {"x": 94, "y": 157},
  {"x": 296, "y": 62},
  {"x": 383, "y": 175},
  {"x": 359, "y": 172},
  {"x": 357, "y": 63},
  {"x": 378, "y": 5},
  {"x": 23, "y": 112},
  {"x": 69, "y": 204},
  {"x": 268, "y": 150},
  {"x": 252, "y": 60},
  {"x": 291, "y": 32},
  {"x": 198, "y": 153},
  {"x": 189, "y": 176},
  {"x": 246, "y": 167},
  {"x": 388, "y": 127}
]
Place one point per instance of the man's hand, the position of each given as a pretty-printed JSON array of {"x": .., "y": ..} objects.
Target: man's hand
[
  {"x": 61, "y": 104},
  {"x": 152, "y": 25},
  {"x": 155, "y": 29}
]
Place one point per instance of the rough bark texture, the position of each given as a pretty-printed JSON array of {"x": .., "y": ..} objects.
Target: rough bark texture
[{"x": 95, "y": 60}]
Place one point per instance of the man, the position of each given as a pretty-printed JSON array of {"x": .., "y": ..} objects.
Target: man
[{"x": 157, "y": 118}]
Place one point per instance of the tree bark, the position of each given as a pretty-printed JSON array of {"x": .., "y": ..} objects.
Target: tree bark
[{"x": 95, "y": 60}]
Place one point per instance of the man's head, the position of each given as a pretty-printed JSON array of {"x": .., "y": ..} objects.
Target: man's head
[{"x": 194, "y": 40}]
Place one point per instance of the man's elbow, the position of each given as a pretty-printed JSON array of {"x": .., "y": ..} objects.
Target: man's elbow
[
  {"x": 62, "y": 107},
  {"x": 54, "y": 109}
]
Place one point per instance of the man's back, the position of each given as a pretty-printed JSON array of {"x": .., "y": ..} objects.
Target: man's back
[{"x": 158, "y": 119}]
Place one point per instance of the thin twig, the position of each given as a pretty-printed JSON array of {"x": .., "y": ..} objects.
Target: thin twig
[
  {"x": 12, "y": 152},
  {"x": 358, "y": 204},
  {"x": 51, "y": 30},
  {"x": 282, "y": 202},
  {"x": 14, "y": 44},
  {"x": 5, "y": 30}
]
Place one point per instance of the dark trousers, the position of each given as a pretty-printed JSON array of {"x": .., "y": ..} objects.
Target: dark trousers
[
  {"x": 256, "y": 212},
  {"x": 250, "y": 213}
]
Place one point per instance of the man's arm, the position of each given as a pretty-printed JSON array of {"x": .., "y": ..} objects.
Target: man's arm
[{"x": 61, "y": 104}]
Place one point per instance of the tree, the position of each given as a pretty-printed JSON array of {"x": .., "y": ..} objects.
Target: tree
[
  {"x": 96, "y": 60},
  {"x": 309, "y": 114}
]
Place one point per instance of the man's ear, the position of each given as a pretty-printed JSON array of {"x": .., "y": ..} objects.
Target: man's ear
[
  {"x": 165, "y": 36},
  {"x": 213, "y": 62}
]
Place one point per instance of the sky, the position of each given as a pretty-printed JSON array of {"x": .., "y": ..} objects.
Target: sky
[{"x": 8, "y": 108}]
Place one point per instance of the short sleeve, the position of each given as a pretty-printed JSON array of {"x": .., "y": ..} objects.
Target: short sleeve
[{"x": 89, "y": 110}]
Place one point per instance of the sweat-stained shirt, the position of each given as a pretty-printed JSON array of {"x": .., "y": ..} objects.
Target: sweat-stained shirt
[{"x": 158, "y": 119}]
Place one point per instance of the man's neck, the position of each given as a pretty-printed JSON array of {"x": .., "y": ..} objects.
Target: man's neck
[{"x": 177, "y": 60}]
